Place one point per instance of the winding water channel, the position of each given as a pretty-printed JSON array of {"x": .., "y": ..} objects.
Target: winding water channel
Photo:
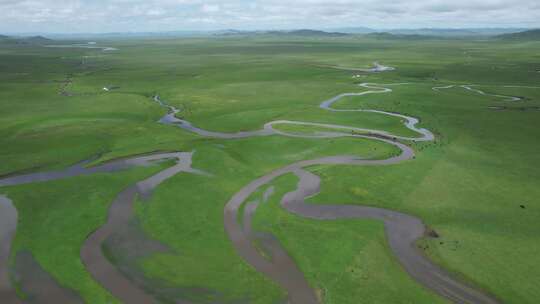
[
  {"x": 472, "y": 88},
  {"x": 120, "y": 212},
  {"x": 402, "y": 230}
]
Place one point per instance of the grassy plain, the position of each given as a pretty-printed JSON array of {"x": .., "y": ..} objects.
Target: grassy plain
[{"x": 468, "y": 185}]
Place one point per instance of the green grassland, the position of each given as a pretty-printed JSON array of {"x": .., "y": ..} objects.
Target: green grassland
[
  {"x": 468, "y": 185},
  {"x": 307, "y": 130}
]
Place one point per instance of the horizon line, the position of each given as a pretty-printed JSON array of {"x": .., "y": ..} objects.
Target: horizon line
[{"x": 269, "y": 29}]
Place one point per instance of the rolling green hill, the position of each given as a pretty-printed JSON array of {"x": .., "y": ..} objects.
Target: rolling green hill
[
  {"x": 526, "y": 35},
  {"x": 292, "y": 33}
]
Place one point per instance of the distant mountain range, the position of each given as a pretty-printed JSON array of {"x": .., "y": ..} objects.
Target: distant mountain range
[
  {"x": 301, "y": 32},
  {"x": 354, "y": 30},
  {"x": 478, "y": 32},
  {"x": 389, "y": 34},
  {"x": 440, "y": 32},
  {"x": 409, "y": 34},
  {"x": 525, "y": 35},
  {"x": 24, "y": 40}
]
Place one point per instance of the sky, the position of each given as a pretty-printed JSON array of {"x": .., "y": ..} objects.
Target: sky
[{"x": 98, "y": 16}]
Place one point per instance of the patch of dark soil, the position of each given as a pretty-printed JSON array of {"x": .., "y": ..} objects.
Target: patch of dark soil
[{"x": 431, "y": 233}]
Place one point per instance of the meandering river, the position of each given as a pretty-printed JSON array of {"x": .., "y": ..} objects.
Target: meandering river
[{"x": 402, "y": 230}]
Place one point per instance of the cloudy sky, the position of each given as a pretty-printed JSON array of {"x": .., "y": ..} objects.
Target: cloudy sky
[{"x": 68, "y": 16}]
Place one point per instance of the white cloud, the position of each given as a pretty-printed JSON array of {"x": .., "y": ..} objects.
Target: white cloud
[
  {"x": 156, "y": 12},
  {"x": 156, "y": 15},
  {"x": 210, "y": 8}
]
